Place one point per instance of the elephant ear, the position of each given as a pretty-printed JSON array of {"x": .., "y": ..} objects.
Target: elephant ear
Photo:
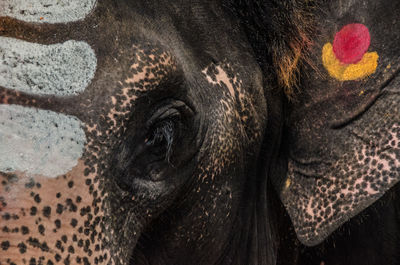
[{"x": 342, "y": 140}]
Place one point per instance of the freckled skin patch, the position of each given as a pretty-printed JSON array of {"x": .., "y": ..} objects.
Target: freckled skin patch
[
  {"x": 371, "y": 170},
  {"x": 47, "y": 236}
]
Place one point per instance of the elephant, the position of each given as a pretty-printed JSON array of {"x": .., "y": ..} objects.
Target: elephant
[
  {"x": 131, "y": 133},
  {"x": 188, "y": 132}
]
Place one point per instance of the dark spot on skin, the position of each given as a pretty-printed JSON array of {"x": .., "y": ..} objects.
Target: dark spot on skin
[
  {"x": 24, "y": 230},
  {"x": 3, "y": 201},
  {"x": 22, "y": 248},
  {"x": 37, "y": 198},
  {"x": 57, "y": 222},
  {"x": 66, "y": 261},
  {"x": 41, "y": 229},
  {"x": 32, "y": 261},
  {"x": 49, "y": 262},
  {"x": 5, "y": 245},
  {"x": 60, "y": 208},
  {"x": 57, "y": 257},
  {"x": 86, "y": 261},
  {"x": 78, "y": 199},
  {"x": 58, "y": 195},
  {"x": 70, "y": 184},
  {"x": 74, "y": 222},
  {"x": 6, "y": 216},
  {"x": 33, "y": 211},
  {"x": 71, "y": 249},
  {"x": 30, "y": 184},
  {"x": 64, "y": 238},
  {"x": 47, "y": 211},
  {"x": 58, "y": 244}
]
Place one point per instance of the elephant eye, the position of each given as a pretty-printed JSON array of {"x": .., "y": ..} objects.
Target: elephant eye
[
  {"x": 161, "y": 138},
  {"x": 170, "y": 125}
]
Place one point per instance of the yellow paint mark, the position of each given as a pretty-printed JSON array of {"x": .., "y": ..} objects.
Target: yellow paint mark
[
  {"x": 345, "y": 72},
  {"x": 361, "y": 92},
  {"x": 288, "y": 182},
  {"x": 389, "y": 66}
]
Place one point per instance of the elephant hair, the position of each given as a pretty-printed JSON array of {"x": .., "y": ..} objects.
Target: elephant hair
[{"x": 280, "y": 33}]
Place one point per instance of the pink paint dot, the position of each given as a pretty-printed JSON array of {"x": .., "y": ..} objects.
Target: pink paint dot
[{"x": 351, "y": 43}]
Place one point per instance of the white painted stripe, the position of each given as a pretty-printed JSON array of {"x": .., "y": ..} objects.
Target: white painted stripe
[
  {"x": 39, "y": 141},
  {"x": 47, "y": 11},
  {"x": 60, "y": 69}
]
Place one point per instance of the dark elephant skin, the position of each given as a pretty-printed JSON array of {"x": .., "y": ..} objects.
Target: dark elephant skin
[
  {"x": 174, "y": 120},
  {"x": 195, "y": 108}
]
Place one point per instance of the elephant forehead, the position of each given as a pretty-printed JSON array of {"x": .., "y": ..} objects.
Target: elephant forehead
[{"x": 148, "y": 69}]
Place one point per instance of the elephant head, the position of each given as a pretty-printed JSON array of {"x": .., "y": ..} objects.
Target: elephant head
[
  {"x": 338, "y": 165},
  {"x": 339, "y": 151},
  {"x": 131, "y": 131},
  {"x": 343, "y": 131}
]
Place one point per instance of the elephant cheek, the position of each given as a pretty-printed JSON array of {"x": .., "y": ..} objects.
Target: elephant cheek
[{"x": 49, "y": 220}]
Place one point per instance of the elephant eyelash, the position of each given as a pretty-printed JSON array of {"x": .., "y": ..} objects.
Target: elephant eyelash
[{"x": 163, "y": 134}]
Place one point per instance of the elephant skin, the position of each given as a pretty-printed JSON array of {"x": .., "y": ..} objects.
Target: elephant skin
[{"x": 131, "y": 134}]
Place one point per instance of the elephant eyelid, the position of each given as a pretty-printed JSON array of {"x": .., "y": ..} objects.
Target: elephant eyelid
[{"x": 170, "y": 110}]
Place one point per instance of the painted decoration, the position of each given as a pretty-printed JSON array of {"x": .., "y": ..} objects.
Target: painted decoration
[
  {"x": 39, "y": 142},
  {"x": 62, "y": 69},
  {"x": 47, "y": 11},
  {"x": 348, "y": 57}
]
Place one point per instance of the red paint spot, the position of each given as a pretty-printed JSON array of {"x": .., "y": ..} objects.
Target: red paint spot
[{"x": 351, "y": 43}]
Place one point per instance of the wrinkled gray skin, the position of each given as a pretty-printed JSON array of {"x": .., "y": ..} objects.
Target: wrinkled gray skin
[{"x": 160, "y": 160}]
